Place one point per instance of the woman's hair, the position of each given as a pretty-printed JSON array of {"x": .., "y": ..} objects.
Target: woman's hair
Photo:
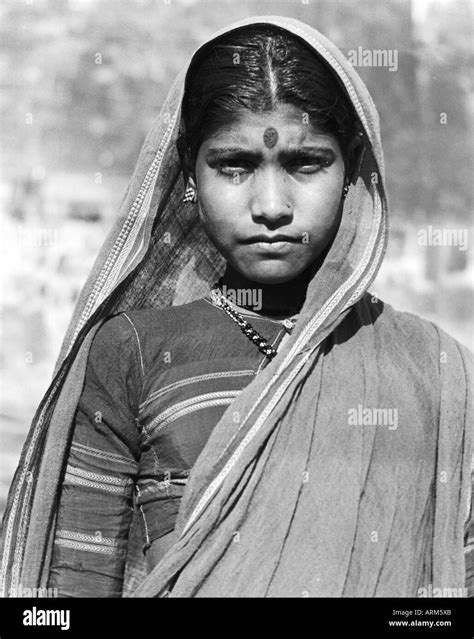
[{"x": 257, "y": 68}]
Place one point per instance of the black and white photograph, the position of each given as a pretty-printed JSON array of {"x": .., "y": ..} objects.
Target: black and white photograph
[{"x": 237, "y": 308}]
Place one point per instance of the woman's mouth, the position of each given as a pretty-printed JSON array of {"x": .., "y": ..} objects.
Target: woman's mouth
[
  {"x": 278, "y": 247},
  {"x": 272, "y": 244},
  {"x": 270, "y": 239}
]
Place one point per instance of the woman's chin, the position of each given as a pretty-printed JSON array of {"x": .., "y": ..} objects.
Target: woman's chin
[{"x": 271, "y": 275}]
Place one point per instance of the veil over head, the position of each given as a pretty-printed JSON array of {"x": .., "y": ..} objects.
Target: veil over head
[{"x": 292, "y": 417}]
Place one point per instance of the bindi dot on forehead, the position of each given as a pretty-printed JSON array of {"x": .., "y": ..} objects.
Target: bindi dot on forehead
[{"x": 270, "y": 137}]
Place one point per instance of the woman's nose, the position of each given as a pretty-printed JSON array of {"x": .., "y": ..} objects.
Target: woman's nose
[{"x": 271, "y": 202}]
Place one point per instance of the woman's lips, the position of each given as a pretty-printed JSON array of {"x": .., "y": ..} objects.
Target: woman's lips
[
  {"x": 270, "y": 239},
  {"x": 276, "y": 244},
  {"x": 278, "y": 247}
]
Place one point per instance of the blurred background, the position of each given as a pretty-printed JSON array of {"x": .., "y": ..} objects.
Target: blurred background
[{"x": 82, "y": 81}]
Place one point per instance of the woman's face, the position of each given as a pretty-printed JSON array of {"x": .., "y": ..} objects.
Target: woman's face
[{"x": 269, "y": 189}]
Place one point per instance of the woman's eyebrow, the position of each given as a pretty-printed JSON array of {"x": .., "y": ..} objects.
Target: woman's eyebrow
[
  {"x": 306, "y": 150},
  {"x": 216, "y": 154}
]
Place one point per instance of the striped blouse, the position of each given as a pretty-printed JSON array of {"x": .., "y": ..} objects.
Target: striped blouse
[{"x": 157, "y": 382}]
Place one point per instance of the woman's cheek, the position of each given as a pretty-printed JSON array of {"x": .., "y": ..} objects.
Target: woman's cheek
[
  {"x": 321, "y": 218},
  {"x": 219, "y": 207},
  {"x": 214, "y": 222}
]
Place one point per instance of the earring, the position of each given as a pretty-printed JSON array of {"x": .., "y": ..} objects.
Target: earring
[
  {"x": 190, "y": 195},
  {"x": 345, "y": 191}
]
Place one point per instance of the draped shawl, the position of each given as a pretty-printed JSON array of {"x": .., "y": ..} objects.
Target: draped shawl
[{"x": 295, "y": 494}]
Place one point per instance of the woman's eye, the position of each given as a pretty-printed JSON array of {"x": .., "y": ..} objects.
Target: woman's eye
[
  {"x": 232, "y": 169},
  {"x": 237, "y": 169},
  {"x": 308, "y": 165}
]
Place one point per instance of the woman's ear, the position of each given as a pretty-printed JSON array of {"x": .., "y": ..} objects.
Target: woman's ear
[{"x": 185, "y": 159}]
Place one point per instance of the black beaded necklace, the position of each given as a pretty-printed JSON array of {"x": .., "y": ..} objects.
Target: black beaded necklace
[{"x": 247, "y": 329}]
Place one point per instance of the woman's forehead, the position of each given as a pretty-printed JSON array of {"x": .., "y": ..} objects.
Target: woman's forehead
[{"x": 285, "y": 125}]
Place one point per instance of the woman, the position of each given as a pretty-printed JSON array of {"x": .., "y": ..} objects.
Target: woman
[{"x": 281, "y": 432}]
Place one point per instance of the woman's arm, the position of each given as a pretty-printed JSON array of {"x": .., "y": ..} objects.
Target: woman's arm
[{"x": 96, "y": 506}]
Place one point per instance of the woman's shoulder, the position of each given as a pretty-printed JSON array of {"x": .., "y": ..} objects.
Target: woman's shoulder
[
  {"x": 146, "y": 329},
  {"x": 174, "y": 319},
  {"x": 419, "y": 336},
  {"x": 129, "y": 340}
]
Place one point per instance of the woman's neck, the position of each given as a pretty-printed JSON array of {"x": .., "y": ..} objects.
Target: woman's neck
[{"x": 268, "y": 299}]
